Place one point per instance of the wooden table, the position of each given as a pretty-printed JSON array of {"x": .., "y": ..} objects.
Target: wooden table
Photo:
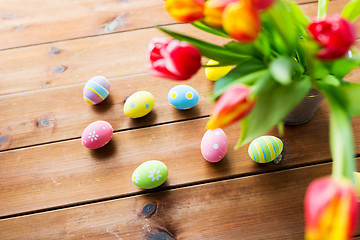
[{"x": 51, "y": 187}]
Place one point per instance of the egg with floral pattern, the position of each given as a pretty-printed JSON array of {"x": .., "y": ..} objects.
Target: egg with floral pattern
[
  {"x": 97, "y": 134},
  {"x": 139, "y": 104},
  {"x": 150, "y": 174},
  {"x": 214, "y": 145},
  {"x": 183, "y": 97}
]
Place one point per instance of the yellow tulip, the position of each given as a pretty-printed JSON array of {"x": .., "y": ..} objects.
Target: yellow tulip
[{"x": 214, "y": 73}]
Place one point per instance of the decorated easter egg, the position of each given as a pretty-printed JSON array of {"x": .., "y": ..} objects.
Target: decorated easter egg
[
  {"x": 214, "y": 73},
  {"x": 139, "y": 104},
  {"x": 150, "y": 174},
  {"x": 97, "y": 134},
  {"x": 183, "y": 97},
  {"x": 214, "y": 145},
  {"x": 265, "y": 149},
  {"x": 96, "y": 90}
]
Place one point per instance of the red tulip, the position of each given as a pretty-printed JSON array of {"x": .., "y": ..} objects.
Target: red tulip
[
  {"x": 214, "y": 10},
  {"x": 185, "y": 10},
  {"x": 331, "y": 209},
  {"x": 233, "y": 105},
  {"x": 173, "y": 59},
  {"x": 260, "y": 4},
  {"x": 335, "y": 35},
  {"x": 241, "y": 22}
]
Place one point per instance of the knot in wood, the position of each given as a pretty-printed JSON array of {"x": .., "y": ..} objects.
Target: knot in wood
[
  {"x": 149, "y": 209},
  {"x": 60, "y": 69},
  {"x": 43, "y": 122},
  {"x": 161, "y": 236}
]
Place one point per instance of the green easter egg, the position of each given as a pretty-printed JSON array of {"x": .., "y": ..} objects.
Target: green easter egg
[
  {"x": 265, "y": 149},
  {"x": 150, "y": 174}
]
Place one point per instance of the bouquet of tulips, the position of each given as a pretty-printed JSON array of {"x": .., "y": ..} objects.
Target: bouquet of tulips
[{"x": 274, "y": 55}]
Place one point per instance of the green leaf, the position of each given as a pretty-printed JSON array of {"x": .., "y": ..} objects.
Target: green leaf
[
  {"x": 341, "y": 139},
  {"x": 283, "y": 68},
  {"x": 273, "y": 103},
  {"x": 244, "y": 73},
  {"x": 210, "y": 50},
  {"x": 351, "y": 92},
  {"x": 322, "y": 8},
  {"x": 331, "y": 80},
  {"x": 343, "y": 66},
  {"x": 244, "y": 49},
  {"x": 212, "y": 30},
  {"x": 352, "y": 10}
]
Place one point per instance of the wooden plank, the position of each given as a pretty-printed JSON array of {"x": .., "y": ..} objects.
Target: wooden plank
[
  {"x": 76, "y": 61},
  {"x": 66, "y": 173},
  {"x": 266, "y": 206},
  {"x": 60, "y": 113},
  {"x": 39, "y": 21}
]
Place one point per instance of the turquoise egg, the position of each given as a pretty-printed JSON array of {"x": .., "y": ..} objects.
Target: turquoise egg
[
  {"x": 183, "y": 97},
  {"x": 265, "y": 149}
]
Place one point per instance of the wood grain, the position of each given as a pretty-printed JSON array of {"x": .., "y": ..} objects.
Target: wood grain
[
  {"x": 70, "y": 62},
  {"x": 266, "y": 206},
  {"x": 55, "y": 114},
  {"x": 40, "y": 21},
  {"x": 66, "y": 173}
]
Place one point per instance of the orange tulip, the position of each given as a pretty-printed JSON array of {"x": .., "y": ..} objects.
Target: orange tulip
[
  {"x": 233, "y": 105},
  {"x": 331, "y": 209},
  {"x": 241, "y": 22},
  {"x": 185, "y": 11},
  {"x": 214, "y": 10}
]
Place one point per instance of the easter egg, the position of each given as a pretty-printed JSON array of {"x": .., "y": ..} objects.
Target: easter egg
[
  {"x": 139, "y": 104},
  {"x": 183, "y": 97},
  {"x": 96, "y": 90},
  {"x": 97, "y": 134},
  {"x": 150, "y": 174},
  {"x": 214, "y": 145},
  {"x": 214, "y": 73},
  {"x": 265, "y": 149}
]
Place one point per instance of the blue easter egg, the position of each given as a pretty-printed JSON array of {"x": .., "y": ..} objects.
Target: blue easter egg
[{"x": 183, "y": 97}]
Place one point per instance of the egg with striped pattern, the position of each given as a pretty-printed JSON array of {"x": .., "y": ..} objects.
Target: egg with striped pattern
[
  {"x": 265, "y": 149},
  {"x": 96, "y": 90}
]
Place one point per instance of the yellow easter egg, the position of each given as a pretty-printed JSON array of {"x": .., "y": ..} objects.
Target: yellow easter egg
[
  {"x": 139, "y": 104},
  {"x": 356, "y": 176},
  {"x": 214, "y": 73}
]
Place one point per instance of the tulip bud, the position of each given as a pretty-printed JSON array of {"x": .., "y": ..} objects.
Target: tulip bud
[
  {"x": 233, "y": 105},
  {"x": 260, "y": 4},
  {"x": 173, "y": 59},
  {"x": 335, "y": 35},
  {"x": 330, "y": 209},
  {"x": 185, "y": 11},
  {"x": 214, "y": 73},
  {"x": 214, "y": 10},
  {"x": 241, "y": 22}
]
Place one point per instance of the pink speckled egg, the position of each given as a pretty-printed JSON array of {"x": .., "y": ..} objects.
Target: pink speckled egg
[
  {"x": 97, "y": 134},
  {"x": 214, "y": 145}
]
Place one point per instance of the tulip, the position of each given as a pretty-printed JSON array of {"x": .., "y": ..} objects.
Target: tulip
[
  {"x": 233, "y": 105},
  {"x": 330, "y": 209},
  {"x": 173, "y": 59},
  {"x": 214, "y": 73},
  {"x": 241, "y": 22},
  {"x": 214, "y": 10},
  {"x": 260, "y": 4},
  {"x": 185, "y": 11},
  {"x": 335, "y": 35}
]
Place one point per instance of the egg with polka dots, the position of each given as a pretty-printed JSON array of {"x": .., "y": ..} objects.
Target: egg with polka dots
[
  {"x": 214, "y": 145},
  {"x": 97, "y": 134},
  {"x": 183, "y": 97},
  {"x": 139, "y": 104}
]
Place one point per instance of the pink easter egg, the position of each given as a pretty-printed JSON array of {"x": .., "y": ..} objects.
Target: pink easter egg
[
  {"x": 214, "y": 145},
  {"x": 97, "y": 134}
]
